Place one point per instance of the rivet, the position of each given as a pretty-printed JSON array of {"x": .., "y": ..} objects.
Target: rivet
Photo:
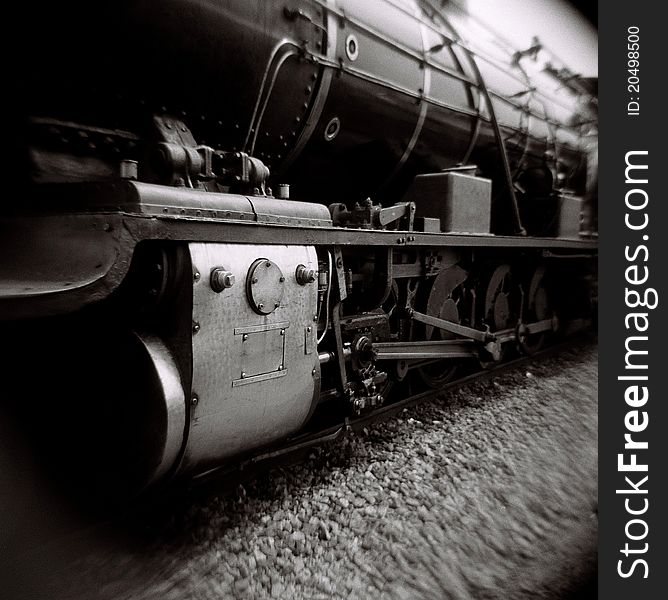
[
  {"x": 196, "y": 276},
  {"x": 196, "y": 327},
  {"x": 277, "y": 304},
  {"x": 243, "y": 375},
  {"x": 308, "y": 329},
  {"x": 280, "y": 367},
  {"x": 281, "y": 279},
  {"x": 267, "y": 264},
  {"x": 254, "y": 280},
  {"x": 260, "y": 306},
  {"x": 315, "y": 318},
  {"x": 282, "y": 331},
  {"x": 194, "y": 400},
  {"x": 245, "y": 337},
  {"x": 313, "y": 372}
]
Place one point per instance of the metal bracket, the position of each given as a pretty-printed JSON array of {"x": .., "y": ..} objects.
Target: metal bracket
[
  {"x": 373, "y": 216},
  {"x": 540, "y": 326},
  {"x": 340, "y": 354},
  {"x": 388, "y": 215},
  {"x": 340, "y": 273}
]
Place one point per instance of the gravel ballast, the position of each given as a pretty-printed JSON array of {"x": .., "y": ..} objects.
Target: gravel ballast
[{"x": 488, "y": 492}]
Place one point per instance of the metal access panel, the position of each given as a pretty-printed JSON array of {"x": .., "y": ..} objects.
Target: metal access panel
[
  {"x": 462, "y": 202},
  {"x": 256, "y": 374}
]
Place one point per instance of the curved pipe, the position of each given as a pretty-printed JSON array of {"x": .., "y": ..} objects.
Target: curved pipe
[
  {"x": 283, "y": 43},
  {"x": 281, "y": 62}
]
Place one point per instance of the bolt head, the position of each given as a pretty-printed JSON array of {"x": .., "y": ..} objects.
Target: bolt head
[
  {"x": 221, "y": 280},
  {"x": 305, "y": 275}
]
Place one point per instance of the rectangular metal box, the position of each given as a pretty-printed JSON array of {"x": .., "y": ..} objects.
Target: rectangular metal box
[
  {"x": 462, "y": 202},
  {"x": 570, "y": 216},
  {"x": 428, "y": 225}
]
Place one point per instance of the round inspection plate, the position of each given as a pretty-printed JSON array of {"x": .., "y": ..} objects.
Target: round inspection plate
[{"x": 265, "y": 285}]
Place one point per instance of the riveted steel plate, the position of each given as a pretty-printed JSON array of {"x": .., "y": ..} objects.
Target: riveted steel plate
[
  {"x": 262, "y": 352},
  {"x": 265, "y": 285},
  {"x": 275, "y": 396}
]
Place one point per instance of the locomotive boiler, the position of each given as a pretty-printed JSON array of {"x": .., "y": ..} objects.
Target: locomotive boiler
[{"x": 229, "y": 220}]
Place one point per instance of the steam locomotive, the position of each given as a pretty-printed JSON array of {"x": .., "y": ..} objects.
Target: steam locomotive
[{"x": 228, "y": 218}]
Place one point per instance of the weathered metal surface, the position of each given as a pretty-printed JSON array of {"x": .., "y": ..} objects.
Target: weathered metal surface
[
  {"x": 440, "y": 302},
  {"x": 462, "y": 202},
  {"x": 288, "y": 72},
  {"x": 148, "y": 199},
  {"x": 253, "y": 378},
  {"x": 456, "y": 328},
  {"x": 167, "y": 387},
  {"x": 54, "y": 264},
  {"x": 265, "y": 286},
  {"x": 420, "y": 350},
  {"x": 570, "y": 216},
  {"x": 73, "y": 241}
]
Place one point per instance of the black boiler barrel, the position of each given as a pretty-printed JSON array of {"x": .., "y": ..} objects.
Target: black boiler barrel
[{"x": 343, "y": 99}]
